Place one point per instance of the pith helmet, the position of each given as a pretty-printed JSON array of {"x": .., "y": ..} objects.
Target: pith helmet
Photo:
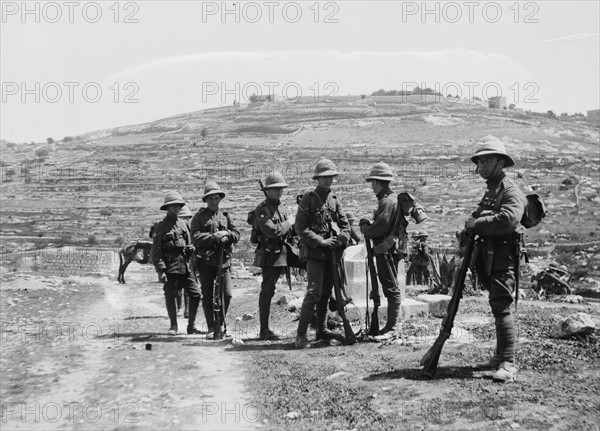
[
  {"x": 350, "y": 217},
  {"x": 325, "y": 168},
  {"x": 563, "y": 268},
  {"x": 185, "y": 212},
  {"x": 273, "y": 180},
  {"x": 172, "y": 197},
  {"x": 381, "y": 171},
  {"x": 492, "y": 146},
  {"x": 422, "y": 233},
  {"x": 212, "y": 188},
  {"x": 553, "y": 265}
]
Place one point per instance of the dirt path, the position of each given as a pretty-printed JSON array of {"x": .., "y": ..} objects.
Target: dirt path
[{"x": 74, "y": 357}]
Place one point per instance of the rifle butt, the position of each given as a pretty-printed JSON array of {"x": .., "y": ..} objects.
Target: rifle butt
[{"x": 374, "y": 329}]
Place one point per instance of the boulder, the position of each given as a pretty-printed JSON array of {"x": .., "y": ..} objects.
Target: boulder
[
  {"x": 576, "y": 324},
  {"x": 438, "y": 304}
]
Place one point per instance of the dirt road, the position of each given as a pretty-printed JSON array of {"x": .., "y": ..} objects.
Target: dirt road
[{"x": 75, "y": 356}]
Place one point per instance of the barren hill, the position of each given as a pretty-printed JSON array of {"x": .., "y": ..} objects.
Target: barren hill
[{"x": 106, "y": 186}]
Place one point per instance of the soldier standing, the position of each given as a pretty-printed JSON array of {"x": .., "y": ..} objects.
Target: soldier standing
[
  {"x": 213, "y": 231},
  {"x": 170, "y": 254},
  {"x": 322, "y": 226},
  {"x": 273, "y": 226},
  {"x": 496, "y": 223},
  {"x": 421, "y": 258},
  {"x": 381, "y": 232}
]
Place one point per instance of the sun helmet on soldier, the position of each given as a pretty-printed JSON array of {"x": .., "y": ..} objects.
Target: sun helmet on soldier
[
  {"x": 381, "y": 171},
  {"x": 273, "y": 180},
  {"x": 185, "y": 212},
  {"x": 563, "y": 268},
  {"x": 492, "y": 146},
  {"x": 212, "y": 188},
  {"x": 325, "y": 168},
  {"x": 422, "y": 233},
  {"x": 171, "y": 198}
]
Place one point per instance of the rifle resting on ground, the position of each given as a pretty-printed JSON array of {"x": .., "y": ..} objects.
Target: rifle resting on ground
[
  {"x": 374, "y": 329},
  {"x": 432, "y": 357},
  {"x": 349, "y": 336},
  {"x": 219, "y": 297}
]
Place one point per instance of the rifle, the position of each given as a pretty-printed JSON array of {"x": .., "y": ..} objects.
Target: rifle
[
  {"x": 374, "y": 329},
  {"x": 350, "y": 337},
  {"x": 432, "y": 357},
  {"x": 219, "y": 297}
]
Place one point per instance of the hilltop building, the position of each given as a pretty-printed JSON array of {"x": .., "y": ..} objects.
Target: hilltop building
[
  {"x": 497, "y": 102},
  {"x": 594, "y": 117}
]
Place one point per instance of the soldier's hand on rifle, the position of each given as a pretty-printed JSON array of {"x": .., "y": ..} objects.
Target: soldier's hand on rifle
[
  {"x": 225, "y": 240},
  {"x": 162, "y": 277},
  {"x": 327, "y": 242},
  {"x": 217, "y": 236},
  {"x": 363, "y": 224}
]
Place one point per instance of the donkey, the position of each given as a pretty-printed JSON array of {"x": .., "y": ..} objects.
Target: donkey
[{"x": 138, "y": 251}]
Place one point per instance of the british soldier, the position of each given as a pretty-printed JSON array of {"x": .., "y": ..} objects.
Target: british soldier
[
  {"x": 496, "y": 222},
  {"x": 322, "y": 226},
  {"x": 170, "y": 253},
  {"x": 213, "y": 231},
  {"x": 381, "y": 232}
]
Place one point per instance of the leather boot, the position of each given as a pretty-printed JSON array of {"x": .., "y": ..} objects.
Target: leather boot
[
  {"x": 186, "y": 305},
  {"x": 209, "y": 316},
  {"x": 322, "y": 332},
  {"x": 191, "y": 328},
  {"x": 306, "y": 314},
  {"x": 171, "y": 304},
  {"x": 390, "y": 330}
]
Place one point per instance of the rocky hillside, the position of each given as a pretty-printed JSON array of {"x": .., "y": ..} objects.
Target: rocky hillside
[{"x": 104, "y": 188}]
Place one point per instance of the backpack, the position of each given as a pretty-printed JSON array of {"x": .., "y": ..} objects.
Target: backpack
[
  {"x": 254, "y": 233},
  {"x": 535, "y": 211}
]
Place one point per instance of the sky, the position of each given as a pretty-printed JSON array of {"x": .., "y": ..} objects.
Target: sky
[{"x": 73, "y": 67}]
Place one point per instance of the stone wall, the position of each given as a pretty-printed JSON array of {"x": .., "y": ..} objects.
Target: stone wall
[{"x": 67, "y": 261}]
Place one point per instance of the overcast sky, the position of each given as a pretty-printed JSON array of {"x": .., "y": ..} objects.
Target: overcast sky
[{"x": 72, "y": 67}]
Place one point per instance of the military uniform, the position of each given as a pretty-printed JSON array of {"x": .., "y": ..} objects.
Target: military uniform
[
  {"x": 271, "y": 254},
  {"x": 170, "y": 255},
  {"x": 384, "y": 243},
  {"x": 496, "y": 223},
  {"x": 420, "y": 261},
  {"x": 205, "y": 224},
  {"x": 317, "y": 212}
]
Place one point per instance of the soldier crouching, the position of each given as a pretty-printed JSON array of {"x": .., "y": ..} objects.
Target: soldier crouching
[
  {"x": 213, "y": 231},
  {"x": 170, "y": 254}
]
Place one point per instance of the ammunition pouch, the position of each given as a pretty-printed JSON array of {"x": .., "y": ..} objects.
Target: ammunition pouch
[{"x": 382, "y": 247}]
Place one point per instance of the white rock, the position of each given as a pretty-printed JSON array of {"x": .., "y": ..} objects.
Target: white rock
[
  {"x": 293, "y": 415},
  {"x": 576, "y": 324}
]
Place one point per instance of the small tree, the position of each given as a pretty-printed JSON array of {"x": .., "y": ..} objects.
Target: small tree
[
  {"x": 204, "y": 133},
  {"x": 67, "y": 139},
  {"x": 50, "y": 140},
  {"x": 511, "y": 106},
  {"x": 551, "y": 114}
]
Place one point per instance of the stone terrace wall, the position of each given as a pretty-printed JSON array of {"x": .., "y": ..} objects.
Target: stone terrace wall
[{"x": 67, "y": 261}]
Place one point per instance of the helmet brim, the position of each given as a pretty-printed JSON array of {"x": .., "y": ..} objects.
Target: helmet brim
[
  {"x": 274, "y": 186},
  {"x": 375, "y": 177},
  {"x": 166, "y": 204},
  {"x": 509, "y": 160},
  {"x": 328, "y": 173},
  {"x": 214, "y": 192}
]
